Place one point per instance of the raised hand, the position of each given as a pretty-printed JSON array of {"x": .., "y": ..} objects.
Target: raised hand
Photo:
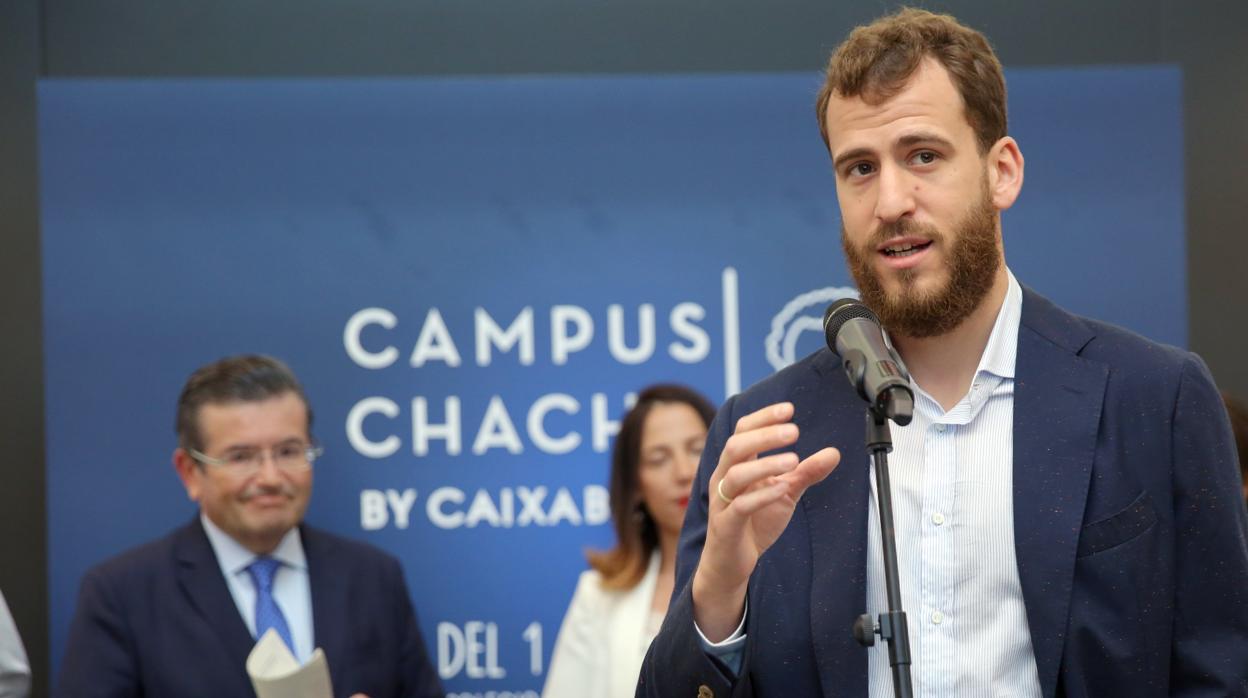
[{"x": 751, "y": 502}]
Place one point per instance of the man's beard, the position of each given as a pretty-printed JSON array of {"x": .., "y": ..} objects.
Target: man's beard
[{"x": 973, "y": 263}]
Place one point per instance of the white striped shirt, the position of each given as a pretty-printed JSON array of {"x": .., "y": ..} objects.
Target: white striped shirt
[{"x": 953, "y": 508}]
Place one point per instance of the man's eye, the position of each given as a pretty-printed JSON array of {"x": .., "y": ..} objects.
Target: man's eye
[
  {"x": 240, "y": 457},
  {"x": 290, "y": 451},
  {"x": 925, "y": 157},
  {"x": 861, "y": 169}
]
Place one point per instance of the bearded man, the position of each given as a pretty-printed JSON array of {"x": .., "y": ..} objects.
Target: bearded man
[{"x": 1065, "y": 497}]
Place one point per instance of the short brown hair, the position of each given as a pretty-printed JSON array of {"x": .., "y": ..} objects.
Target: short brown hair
[
  {"x": 877, "y": 60},
  {"x": 636, "y": 533},
  {"x": 247, "y": 378}
]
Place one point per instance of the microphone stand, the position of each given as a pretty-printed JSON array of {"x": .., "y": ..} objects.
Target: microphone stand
[{"x": 891, "y": 625}]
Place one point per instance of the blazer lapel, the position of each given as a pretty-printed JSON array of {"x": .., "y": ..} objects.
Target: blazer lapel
[
  {"x": 199, "y": 576},
  {"x": 836, "y": 510},
  {"x": 1058, "y": 398},
  {"x": 329, "y": 600}
]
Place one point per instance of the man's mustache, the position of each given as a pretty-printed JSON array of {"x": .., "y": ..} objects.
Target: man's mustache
[
  {"x": 285, "y": 489},
  {"x": 901, "y": 228}
]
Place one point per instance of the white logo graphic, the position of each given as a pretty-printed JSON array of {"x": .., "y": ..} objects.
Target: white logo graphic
[{"x": 803, "y": 313}]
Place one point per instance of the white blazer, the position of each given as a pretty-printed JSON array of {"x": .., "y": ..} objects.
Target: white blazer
[{"x": 603, "y": 639}]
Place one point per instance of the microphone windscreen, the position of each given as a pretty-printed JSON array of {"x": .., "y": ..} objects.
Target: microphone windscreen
[{"x": 841, "y": 312}]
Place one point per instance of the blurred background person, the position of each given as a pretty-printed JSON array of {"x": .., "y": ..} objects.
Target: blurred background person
[
  {"x": 14, "y": 668},
  {"x": 620, "y": 601},
  {"x": 1239, "y": 425},
  {"x": 180, "y": 615}
]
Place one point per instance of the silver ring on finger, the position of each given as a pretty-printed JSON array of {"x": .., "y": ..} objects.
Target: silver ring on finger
[{"x": 719, "y": 490}]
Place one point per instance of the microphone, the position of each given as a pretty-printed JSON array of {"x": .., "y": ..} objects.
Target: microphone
[{"x": 853, "y": 333}]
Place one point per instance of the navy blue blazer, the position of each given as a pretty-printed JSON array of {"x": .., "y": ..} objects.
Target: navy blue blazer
[
  {"x": 1129, "y": 527},
  {"x": 159, "y": 621}
]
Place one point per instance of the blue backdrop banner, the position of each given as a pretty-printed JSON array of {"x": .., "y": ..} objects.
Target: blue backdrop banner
[{"x": 473, "y": 276}]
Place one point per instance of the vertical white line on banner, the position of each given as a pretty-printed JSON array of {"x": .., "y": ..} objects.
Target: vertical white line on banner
[{"x": 732, "y": 334}]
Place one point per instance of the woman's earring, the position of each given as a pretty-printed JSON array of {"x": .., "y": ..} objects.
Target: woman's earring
[{"x": 639, "y": 513}]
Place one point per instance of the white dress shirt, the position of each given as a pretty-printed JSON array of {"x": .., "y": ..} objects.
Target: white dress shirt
[
  {"x": 953, "y": 509},
  {"x": 291, "y": 587}
]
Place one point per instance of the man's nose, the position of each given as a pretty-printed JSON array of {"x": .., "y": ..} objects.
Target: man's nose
[
  {"x": 267, "y": 470},
  {"x": 895, "y": 195}
]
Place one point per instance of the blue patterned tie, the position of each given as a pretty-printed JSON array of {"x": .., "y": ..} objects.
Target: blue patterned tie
[{"x": 268, "y": 615}]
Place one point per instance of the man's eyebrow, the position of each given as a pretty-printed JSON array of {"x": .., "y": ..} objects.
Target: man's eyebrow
[
  {"x": 925, "y": 137},
  {"x": 848, "y": 155}
]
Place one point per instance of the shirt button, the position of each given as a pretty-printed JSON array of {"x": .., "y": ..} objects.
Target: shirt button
[
  {"x": 940, "y": 428},
  {"x": 938, "y": 518},
  {"x": 937, "y": 617}
]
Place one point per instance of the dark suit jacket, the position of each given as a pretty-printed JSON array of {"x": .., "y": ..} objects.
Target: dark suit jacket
[
  {"x": 1129, "y": 528},
  {"x": 158, "y": 621}
]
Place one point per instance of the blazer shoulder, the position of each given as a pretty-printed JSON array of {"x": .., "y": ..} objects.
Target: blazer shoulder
[
  {"x": 1113, "y": 343},
  {"x": 590, "y": 595},
  {"x": 319, "y": 544},
  {"x": 1128, "y": 354},
  {"x": 1139, "y": 362},
  {"x": 150, "y": 558}
]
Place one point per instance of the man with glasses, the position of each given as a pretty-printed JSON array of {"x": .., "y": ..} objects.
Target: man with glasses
[{"x": 178, "y": 616}]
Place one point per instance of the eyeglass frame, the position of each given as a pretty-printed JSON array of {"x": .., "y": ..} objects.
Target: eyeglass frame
[{"x": 311, "y": 453}]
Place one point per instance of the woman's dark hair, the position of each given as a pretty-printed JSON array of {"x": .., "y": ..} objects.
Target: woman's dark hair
[{"x": 623, "y": 566}]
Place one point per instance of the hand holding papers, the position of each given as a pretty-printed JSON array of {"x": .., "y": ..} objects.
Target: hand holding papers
[{"x": 275, "y": 673}]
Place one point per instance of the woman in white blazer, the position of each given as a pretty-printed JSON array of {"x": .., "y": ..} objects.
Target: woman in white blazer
[{"x": 620, "y": 601}]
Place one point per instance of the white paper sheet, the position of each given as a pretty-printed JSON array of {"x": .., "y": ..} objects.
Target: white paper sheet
[{"x": 275, "y": 673}]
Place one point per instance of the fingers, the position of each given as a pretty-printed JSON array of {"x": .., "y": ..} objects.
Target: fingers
[
  {"x": 751, "y": 502},
  {"x": 759, "y": 483},
  {"x": 814, "y": 469},
  {"x": 743, "y": 446},
  {"x": 742, "y": 477},
  {"x": 739, "y": 470},
  {"x": 771, "y": 414},
  {"x": 754, "y": 485}
]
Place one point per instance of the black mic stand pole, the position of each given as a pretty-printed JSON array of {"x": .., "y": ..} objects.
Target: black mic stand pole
[{"x": 892, "y": 624}]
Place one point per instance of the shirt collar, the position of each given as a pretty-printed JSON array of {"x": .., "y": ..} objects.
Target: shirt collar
[
  {"x": 234, "y": 558},
  {"x": 1002, "y": 348}
]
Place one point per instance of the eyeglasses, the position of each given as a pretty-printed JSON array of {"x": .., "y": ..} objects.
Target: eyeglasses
[{"x": 292, "y": 457}]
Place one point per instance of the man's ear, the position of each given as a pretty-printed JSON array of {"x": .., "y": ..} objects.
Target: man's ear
[
  {"x": 1005, "y": 173},
  {"x": 189, "y": 472}
]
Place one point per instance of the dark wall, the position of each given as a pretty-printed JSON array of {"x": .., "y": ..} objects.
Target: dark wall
[
  {"x": 87, "y": 38},
  {"x": 329, "y": 37},
  {"x": 23, "y": 554}
]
